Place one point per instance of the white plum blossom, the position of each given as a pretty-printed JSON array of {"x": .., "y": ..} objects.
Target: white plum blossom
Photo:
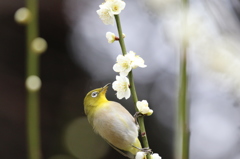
[
  {"x": 140, "y": 155},
  {"x": 155, "y": 156},
  {"x": 116, "y": 5},
  {"x": 137, "y": 61},
  {"x": 123, "y": 65},
  {"x": 110, "y": 8},
  {"x": 110, "y": 37},
  {"x": 106, "y": 15},
  {"x": 128, "y": 62},
  {"x": 121, "y": 85},
  {"x": 143, "y": 108}
]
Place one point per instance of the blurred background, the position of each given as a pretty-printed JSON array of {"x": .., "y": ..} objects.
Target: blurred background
[{"x": 79, "y": 59}]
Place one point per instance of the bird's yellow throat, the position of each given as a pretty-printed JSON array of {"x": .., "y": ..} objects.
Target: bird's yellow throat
[{"x": 95, "y": 99}]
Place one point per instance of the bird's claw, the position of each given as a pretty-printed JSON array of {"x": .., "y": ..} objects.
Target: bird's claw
[
  {"x": 146, "y": 149},
  {"x": 136, "y": 116}
]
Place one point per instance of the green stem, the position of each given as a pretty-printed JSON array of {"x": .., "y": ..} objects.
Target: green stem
[
  {"x": 183, "y": 110},
  {"x": 132, "y": 87},
  {"x": 32, "y": 68},
  {"x": 120, "y": 34}
]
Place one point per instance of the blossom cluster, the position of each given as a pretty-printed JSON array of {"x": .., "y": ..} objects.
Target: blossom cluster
[
  {"x": 125, "y": 63},
  {"x": 128, "y": 62},
  {"x": 110, "y": 8}
]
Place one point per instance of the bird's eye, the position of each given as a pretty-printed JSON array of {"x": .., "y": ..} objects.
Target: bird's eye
[{"x": 94, "y": 94}]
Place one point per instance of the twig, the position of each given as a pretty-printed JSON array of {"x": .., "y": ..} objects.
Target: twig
[{"x": 132, "y": 87}]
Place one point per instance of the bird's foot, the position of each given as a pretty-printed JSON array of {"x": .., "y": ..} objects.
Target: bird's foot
[
  {"x": 136, "y": 116},
  {"x": 146, "y": 149}
]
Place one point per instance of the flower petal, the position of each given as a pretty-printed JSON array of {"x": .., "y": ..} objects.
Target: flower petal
[
  {"x": 143, "y": 108},
  {"x": 155, "y": 156},
  {"x": 140, "y": 155},
  {"x": 106, "y": 14},
  {"x": 110, "y": 37},
  {"x": 123, "y": 65},
  {"x": 121, "y": 85}
]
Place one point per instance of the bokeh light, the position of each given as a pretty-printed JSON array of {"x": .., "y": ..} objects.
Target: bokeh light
[{"x": 82, "y": 142}]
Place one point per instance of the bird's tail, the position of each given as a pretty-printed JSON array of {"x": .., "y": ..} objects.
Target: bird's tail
[{"x": 130, "y": 153}]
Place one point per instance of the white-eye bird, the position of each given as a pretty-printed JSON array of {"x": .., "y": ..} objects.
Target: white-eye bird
[{"x": 113, "y": 122}]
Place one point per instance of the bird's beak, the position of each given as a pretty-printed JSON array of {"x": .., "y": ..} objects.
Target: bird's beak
[{"x": 104, "y": 88}]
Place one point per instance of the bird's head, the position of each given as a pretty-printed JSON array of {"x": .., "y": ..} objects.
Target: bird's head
[{"x": 95, "y": 98}]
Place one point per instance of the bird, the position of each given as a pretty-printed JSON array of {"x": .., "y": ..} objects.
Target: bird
[{"x": 112, "y": 122}]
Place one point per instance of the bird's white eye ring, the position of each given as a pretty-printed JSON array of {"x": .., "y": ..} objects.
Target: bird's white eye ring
[{"x": 94, "y": 94}]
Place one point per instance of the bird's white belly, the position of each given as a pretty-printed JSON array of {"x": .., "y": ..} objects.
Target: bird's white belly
[{"x": 117, "y": 127}]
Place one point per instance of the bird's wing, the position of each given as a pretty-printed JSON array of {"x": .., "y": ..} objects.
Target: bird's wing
[{"x": 124, "y": 153}]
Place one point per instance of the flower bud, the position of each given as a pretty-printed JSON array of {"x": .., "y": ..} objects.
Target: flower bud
[
  {"x": 143, "y": 108},
  {"x": 110, "y": 37}
]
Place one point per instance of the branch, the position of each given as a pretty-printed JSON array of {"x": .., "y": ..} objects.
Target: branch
[{"x": 132, "y": 87}]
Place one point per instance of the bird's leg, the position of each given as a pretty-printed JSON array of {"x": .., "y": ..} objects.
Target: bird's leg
[
  {"x": 136, "y": 116},
  {"x": 146, "y": 149}
]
